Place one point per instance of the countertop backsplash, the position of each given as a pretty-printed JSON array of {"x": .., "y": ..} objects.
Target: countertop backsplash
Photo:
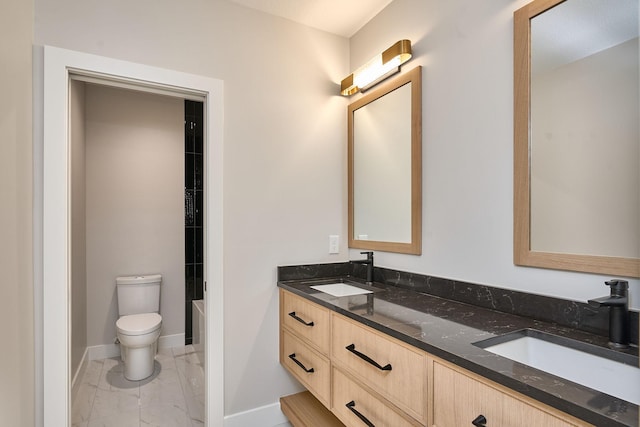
[{"x": 573, "y": 314}]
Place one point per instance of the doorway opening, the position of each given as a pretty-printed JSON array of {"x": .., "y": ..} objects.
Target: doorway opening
[
  {"x": 128, "y": 174},
  {"x": 60, "y": 66}
]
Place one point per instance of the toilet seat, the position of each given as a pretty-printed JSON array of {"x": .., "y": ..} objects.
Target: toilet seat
[{"x": 138, "y": 324}]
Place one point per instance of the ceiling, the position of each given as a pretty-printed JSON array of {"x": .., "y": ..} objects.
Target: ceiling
[{"x": 341, "y": 17}]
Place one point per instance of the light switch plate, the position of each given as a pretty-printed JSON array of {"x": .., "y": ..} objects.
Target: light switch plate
[{"x": 334, "y": 244}]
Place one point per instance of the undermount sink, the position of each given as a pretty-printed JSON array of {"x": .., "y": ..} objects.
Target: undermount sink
[
  {"x": 340, "y": 289},
  {"x": 601, "y": 369}
]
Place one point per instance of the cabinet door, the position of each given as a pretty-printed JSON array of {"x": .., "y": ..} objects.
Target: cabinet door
[
  {"x": 310, "y": 368},
  {"x": 459, "y": 400},
  {"x": 307, "y": 320},
  {"x": 519, "y": 413}
]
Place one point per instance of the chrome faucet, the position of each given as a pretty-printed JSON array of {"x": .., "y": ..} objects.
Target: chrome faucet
[
  {"x": 618, "y": 303},
  {"x": 369, "y": 264}
]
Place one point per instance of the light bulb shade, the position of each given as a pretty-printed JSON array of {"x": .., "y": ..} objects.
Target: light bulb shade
[{"x": 377, "y": 68}]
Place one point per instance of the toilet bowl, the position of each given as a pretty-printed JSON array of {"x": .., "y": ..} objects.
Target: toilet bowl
[
  {"x": 138, "y": 327},
  {"x": 138, "y": 335}
]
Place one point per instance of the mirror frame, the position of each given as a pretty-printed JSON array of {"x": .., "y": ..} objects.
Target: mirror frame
[
  {"x": 522, "y": 253},
  {"x": 414, "y": 247}
]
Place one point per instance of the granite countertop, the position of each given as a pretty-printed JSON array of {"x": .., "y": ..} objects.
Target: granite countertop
[{"x": 447, "y": 329}]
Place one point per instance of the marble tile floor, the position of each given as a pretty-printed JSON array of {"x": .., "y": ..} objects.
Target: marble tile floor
[{"x": 173, "y": 396}]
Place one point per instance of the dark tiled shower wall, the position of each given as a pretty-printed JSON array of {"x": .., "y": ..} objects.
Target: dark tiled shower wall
[{"x": 193, "y": 209}]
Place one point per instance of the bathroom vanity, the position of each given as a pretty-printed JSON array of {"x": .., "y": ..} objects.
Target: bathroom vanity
[{"x": 397, "y": 357}]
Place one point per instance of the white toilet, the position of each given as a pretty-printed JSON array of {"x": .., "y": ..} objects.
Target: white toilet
[{"x": 138, "y": 327}]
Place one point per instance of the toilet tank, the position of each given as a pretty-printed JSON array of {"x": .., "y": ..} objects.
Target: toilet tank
[{"x": 138, "y": 294}]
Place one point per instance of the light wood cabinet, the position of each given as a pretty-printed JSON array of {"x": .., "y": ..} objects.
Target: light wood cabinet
[
  {"x": 392, "y": 368},
  {"x": 393, "y": 395},
  {"x": 461, "y": 397},
  {"x": 308, "y": 366},
  {"x": 355, "y": 406},
  {"x": 304, "y": 344},
  {"x": 517, "y": 412},
  {"x": 304, "y": 410},
  {"x": 390, "y": 383},
  {"x": 306, "y": 320}
]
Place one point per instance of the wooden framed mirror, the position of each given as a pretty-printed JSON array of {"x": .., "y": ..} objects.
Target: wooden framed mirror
[
  {"x": 576, "y": 139},
  {"x": 385, "y": 166}
]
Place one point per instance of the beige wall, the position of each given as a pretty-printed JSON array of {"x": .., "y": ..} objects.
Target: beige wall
[
  {"x": 17, "y": 395},
  {"x": 78, "y": 225},
  {"x": 134, "y": 202}
]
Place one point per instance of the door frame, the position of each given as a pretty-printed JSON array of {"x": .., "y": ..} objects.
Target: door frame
[{"x": 60, "y": 65}]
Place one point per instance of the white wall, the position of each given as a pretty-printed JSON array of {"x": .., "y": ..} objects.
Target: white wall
[
  {"x": 285, "y": 148},
  {"x": 78, "y": 224},
  {"x": 17, "y": 397},
  {"x": 466, "y": 49},
  {"x": 134, "y": 203}
]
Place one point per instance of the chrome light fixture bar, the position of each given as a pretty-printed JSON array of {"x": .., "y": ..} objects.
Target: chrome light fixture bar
[{"x": 377, "y": 68}]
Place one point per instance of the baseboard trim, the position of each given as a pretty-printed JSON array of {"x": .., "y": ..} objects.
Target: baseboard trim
[
  {"x": 82, "y": 368},
  {"x": 170, "y": 341},
  {"x": 264, "y": 416},
  {"x": 106, "y": 351}
]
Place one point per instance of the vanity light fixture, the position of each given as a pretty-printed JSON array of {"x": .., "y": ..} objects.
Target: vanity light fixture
[{"x": 377, "y": 68}]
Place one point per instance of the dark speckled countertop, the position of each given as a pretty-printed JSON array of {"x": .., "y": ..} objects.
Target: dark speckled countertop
[{"x": 447, "y": 329}]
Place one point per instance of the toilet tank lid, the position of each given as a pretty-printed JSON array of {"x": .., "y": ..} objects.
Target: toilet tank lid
[{"x": 138, "y": 280}]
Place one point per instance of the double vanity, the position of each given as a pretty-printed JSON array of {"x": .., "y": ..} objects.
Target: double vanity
[{"x": 391, "y": 354}]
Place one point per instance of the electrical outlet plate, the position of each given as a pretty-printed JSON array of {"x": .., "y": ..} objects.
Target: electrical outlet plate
[{"x": 334, "y": 244}]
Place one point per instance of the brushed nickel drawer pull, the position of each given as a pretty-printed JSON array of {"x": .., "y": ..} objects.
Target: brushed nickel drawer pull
[
  {"x": 351, "y": 405},
  {"x": 292, "y": 356},
  {"x": 293, "y": 314},
  {"x": 352, "y": 349}
]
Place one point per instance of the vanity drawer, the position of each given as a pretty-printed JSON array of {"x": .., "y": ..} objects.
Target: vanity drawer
[
  {"x": 460, "y": 397},
  {"x": 347, "y": 393},
  {"x": 393, "y": 369},
  {"x": 307, "y": 365},
  {"x": 307, "y": 320}
]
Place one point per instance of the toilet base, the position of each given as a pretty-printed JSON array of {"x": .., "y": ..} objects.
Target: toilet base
[{"x": 138, "y": 362}]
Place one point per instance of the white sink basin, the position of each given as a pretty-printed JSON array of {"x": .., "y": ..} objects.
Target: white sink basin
[
  {"x": 340, "y": 289},
  {"x": 539, "y": 350}
]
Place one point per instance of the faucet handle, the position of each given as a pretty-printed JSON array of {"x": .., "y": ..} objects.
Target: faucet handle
[
  {"x": 369, "y": 254},
  {"x": 618, "y": 287}
]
